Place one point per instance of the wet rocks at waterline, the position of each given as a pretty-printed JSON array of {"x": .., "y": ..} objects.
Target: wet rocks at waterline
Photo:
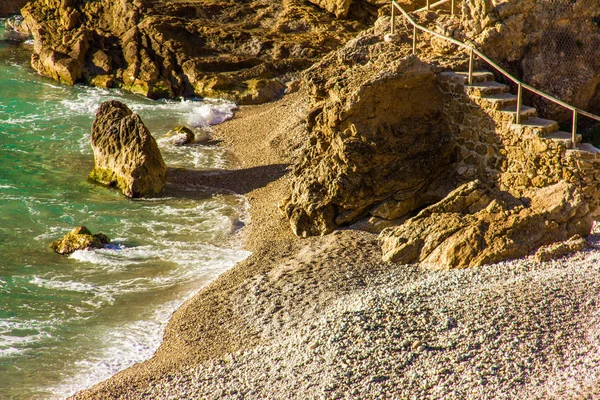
[
  {"x": 181, "y": 135},
  {"x": 126, "y": 155},
  {"x": 79, "y": 238}
]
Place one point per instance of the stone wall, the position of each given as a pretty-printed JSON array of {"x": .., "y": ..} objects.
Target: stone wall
[{"x": 490, "y": 146}]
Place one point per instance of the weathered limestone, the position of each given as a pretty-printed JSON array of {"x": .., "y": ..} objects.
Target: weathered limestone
[
  {"x": 242, "y": 51},
  {"x": 377, "y": 139},
  {"x": 477, "y": 224},
  {"x": 80, "y": 238},
  {"x": 338, "y": 7},
  {"x": 561, "y": 249},
  {"x": 125, "y": 153}
]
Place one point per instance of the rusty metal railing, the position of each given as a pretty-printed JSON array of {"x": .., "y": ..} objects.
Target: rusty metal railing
[{"x": 474, "y": 52}]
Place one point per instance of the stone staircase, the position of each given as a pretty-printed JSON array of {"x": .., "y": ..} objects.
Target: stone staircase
[{"x": 494, "y": 95}]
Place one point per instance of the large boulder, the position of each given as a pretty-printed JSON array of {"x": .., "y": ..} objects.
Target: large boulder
[
  {"x": 80, "y": 238},
  {"x": 377, "y": 144},
  {"x": 477, "y": 224},
  {"x": 243, "y": 51},
  {"x": 125, "y": 153}
]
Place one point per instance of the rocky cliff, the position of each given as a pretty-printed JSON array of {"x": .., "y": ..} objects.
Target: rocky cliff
[
  {"x": 126, "y": 155},
  {"x": 553, "y": 45},
  {"x": 391, "y": 134},
  {"x": 244, "y": 51},
  {"x": 377, "y": 144}
]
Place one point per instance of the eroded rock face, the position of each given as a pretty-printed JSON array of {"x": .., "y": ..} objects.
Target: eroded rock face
[
  {"x": 243, "y": 51},
  {"x": 476, "y": 225},
  {"x": 376, "y": 142},
  {"x": 125, "y": 153},
  {"x": 552, "y": 45},
  {"x": 80, "y": 238}
]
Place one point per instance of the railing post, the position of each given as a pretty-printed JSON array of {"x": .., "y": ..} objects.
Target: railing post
[
  {"x": 452, "y": 7},
  {"x": 470, "y": 80},
  {"x": 574, "y": 133},
  {"x": 393, "y": 18},
  {"x": 519, "y": 102},
  {"x": 428, "y": 6},
  {"x": 414, "y": 40}
]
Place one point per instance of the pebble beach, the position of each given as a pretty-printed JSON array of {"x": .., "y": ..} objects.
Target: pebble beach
[{"x": 324, "y": 317}]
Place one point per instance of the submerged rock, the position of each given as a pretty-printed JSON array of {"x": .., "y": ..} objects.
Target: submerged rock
[
  {"x": 477, "y": 224},
  {"x": 181, "y": 135},
  {"x": 125, "y": 153},
  {"x": 551, "y": 45},
  {"x": 16, "y": 29},
  {"x": 79, "y": 238}
]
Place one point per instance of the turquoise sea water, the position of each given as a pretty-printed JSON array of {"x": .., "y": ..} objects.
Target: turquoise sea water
[{"x": 69, "y": 322}]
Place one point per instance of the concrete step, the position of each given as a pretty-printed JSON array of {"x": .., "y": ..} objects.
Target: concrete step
[
  {"x": 478, "y": 76},
  {"x": 526, "y": 111},
  {"x": 498, "y": 101},
  {"x": 588, "y": 147},
  {"x": 537, "y": 126},
  {"x": 486, "y": 88},
  {"x": 563, "y": 137}
]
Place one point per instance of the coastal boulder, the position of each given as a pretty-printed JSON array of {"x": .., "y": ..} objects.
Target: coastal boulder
[
  {"x": 79, "y": 238},
  {"x": 125, "y": 153},
  {"x": 377, "y": 142},
  {"x": 477, "y": 224}
]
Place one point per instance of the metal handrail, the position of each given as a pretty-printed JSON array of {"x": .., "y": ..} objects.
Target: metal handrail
[
  {"x": 474, "y": 52},
  {"x": 429, "y": 6}
]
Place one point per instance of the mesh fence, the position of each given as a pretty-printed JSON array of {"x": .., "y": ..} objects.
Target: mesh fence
[{"x": 566, "y": 41}]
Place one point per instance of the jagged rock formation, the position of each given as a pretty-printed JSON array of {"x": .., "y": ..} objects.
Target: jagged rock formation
[
  {"x": 243, "y": 51},
  {"x": 11, "y": 7},
  {"x": 377, "y": 142},
  {"x": 125, "y": 153},
  {"x": 476, "y": 225},
  {"x": 80, "y": 238},
  {"x": 391, "y": 134},
  {"x": 554, "y": 45}
]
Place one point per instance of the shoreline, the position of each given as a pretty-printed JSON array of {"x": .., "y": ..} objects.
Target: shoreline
[
  {"x": 261, "y": 177},
  {"x": 325, "y": 317}
]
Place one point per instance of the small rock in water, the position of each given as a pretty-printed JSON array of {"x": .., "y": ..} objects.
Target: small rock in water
[
  {"x": 79, "y": 238},
  {"x": 181, "y": 135}
]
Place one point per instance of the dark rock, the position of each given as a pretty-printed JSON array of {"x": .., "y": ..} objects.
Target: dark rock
[{"x": 11, "y": 7}]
